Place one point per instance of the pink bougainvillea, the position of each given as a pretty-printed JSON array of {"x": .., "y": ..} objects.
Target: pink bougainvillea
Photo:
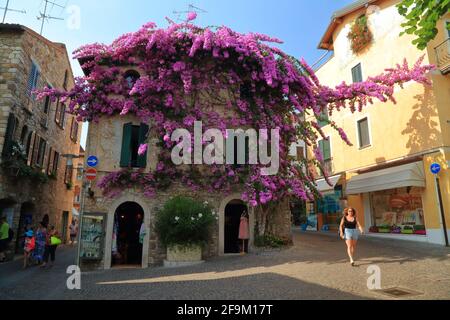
[{"x": 188, "y": 73}]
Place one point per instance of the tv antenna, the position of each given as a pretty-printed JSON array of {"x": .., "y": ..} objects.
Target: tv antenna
[
  {"x": 44, "y": 16},
  {"x": 7, "y": 8},
  {"x": 191, "y": 8}
]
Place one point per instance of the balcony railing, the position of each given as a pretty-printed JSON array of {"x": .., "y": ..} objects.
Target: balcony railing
[{"x": 443, "y": 56}]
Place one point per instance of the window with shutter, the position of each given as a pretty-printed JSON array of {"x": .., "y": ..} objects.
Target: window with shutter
[
  {"x": 357, "y": 73},
  {"x": 363, "y": 133},
  {"x": 325, "y": 148},
  {"x": 74, "y": 130},
  {"x": 143, "y": 132},
  {"x": 37, "y": 141},
  {"x": 50, "y": 161},
  {"x": 62, "y": 122},
  {"x": 58, "y": 112},
  {"x": 30, "y": 145},
  {"x": 55, "y": 163},
  {"x": 47, "y": 102},
  {"x": 324, "y": 118},
  {"x": 66, "y": 78},
  {"x": 125, "y": 155},
  {"x": 41, "y": 154},
  {"x": 33, "y": 79},
  {"x": 9, "y": 135}
]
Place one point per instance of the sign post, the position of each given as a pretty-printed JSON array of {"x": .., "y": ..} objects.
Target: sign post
[{"x": 435, "y": 169}]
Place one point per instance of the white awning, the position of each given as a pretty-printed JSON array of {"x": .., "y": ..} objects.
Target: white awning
[
  {"x": 322, "y": 184},
  {"x": 408, "y": 175},
  {"x": 75, "y": 212}
]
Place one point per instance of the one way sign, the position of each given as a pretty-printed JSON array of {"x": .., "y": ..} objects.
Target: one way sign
[{"x": 92, "y": 161}]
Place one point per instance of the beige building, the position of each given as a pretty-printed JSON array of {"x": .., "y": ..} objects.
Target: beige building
[
  {"x": 386, "y": 174},
  {"x": 34, "y": 135}
]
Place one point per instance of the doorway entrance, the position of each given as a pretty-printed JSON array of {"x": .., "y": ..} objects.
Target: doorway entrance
[
  {"x": 27, "y": 211},
  {"x": 233, "y": 213},
  {"x": 126, "y": 246}
]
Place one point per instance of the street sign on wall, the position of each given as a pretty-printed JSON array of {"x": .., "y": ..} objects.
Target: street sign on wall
[{"x": 435, "y": 168}]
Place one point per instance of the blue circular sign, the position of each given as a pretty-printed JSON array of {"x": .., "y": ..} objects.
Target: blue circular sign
[
  {"x": 92, "y": 161},
  {"x": 435, "y": 168}
]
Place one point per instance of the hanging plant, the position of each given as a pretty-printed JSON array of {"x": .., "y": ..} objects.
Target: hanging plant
[{"x": 360, "y": 35}]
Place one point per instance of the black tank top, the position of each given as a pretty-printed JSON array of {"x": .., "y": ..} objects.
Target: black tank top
[{"x": 348, "y": 224}]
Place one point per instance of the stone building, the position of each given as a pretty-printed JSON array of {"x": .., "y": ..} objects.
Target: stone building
[
  {"x": 35, "y": 180},
  {"x": 117, "y": 137}
]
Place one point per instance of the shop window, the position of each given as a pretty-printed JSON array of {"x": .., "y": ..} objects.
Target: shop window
[
  {"x": 33, "y": 79},
  {"x": 398, "y": 211},
  {"x": 357, "y": 73},
  {"x": 331, "y": 208},
  {"x": 363, "y": 133},
  {"x": 133, "y": 137}
]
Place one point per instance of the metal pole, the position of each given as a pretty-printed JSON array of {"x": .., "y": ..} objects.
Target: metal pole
[
  {"x": 6, "y": 10},
  {"x": 44, "y": 16},
  {"x": 441, "y": 207},
  {"x": 80, "y": 225}
]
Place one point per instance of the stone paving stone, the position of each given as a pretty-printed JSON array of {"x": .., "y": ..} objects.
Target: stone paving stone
[{"x": 316, "y": 267}]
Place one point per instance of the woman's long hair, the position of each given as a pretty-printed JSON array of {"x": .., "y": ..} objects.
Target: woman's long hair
[{"x": 346, "y": 212}]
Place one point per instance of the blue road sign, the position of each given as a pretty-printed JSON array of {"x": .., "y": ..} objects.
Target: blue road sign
[
  {"x": 92, "y": 161},
  {"x": 435, "y": 168}
]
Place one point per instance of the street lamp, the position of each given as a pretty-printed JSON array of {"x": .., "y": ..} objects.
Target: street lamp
[{"x": 70, "y": 158}]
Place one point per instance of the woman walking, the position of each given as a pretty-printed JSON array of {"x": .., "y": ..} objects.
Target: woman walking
[
  {"x": 349, "y": 232},
  {"x": 41, "y": 238},
  {"x": 51, "y": 244}
]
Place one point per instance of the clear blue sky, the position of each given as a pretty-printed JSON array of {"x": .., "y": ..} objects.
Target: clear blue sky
[{"x": 299, "y": 23}]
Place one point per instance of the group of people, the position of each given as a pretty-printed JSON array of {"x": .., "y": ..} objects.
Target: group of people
[{"x": 40, "y": 245}]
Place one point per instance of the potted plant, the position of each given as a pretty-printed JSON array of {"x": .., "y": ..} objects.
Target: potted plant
[
  {"x": 373, "y": 229},
  {"x": 360, "y": 35},
  {"x": 184, "y": 226},
  {"x": 384, "y": 229},
  {"x": 420, "y": 230},
  {"x": 395, "y": 229},
  {"x": 408, "y": 230}
]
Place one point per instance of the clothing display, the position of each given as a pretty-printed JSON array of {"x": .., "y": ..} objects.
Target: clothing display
[{"x": 243, "y": 229}]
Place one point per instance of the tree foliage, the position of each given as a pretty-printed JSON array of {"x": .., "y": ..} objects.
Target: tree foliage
[{"x": 422, "y": 17}]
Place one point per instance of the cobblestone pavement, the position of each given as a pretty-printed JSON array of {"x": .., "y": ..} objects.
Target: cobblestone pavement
[{"x": 316, "y": 267}]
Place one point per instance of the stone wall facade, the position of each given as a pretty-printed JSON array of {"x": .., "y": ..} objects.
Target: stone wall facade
[
  {"x": 105, "y": 141},
  {"x": 19, "y": 48}
]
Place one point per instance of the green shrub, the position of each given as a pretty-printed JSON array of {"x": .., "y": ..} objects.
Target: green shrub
[
  {"x": 185, "y": 221},
  {"x": 270, "y": 241}
]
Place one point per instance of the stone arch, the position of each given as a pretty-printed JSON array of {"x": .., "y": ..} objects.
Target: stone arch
[
  {"x": 127, "y": 197},
  {"x": 223, "y": 205}
]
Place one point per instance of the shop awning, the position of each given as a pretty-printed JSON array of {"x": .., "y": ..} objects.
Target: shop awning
[
  {"x": 322, "y": 184},
  {"x": 75, "y": 212},
  {"x": 408, "y": 175}
]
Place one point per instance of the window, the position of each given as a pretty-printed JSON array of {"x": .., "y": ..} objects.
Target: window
[
  {"x": 66, "y": 78},
  {"x": 323, "y": 118},
  {"x": 363, "y": 133},
  {"x": 47, "y": 102},
  {"x": 9, "y": 135},
  {"x": 29, "y": 147},
  {"x": 60, "y": 114},
  {"x": 41, "y": 152},
  {"x": 50, "y": 161},
  {"x": 33, "y": 79},
  {"x": 74, "y": 130},
  {"x": 133, "y": 137},
  {"x": 23, "y": 135},
  {"x": 300, "y": 153},
  {"x": 68, "y": 175},
  {"x": 35, "y": 154},
  {"x": 131, "y": 76},
  {"x": 55, "y": 163},
  {"x": 357, "y": 73},
  {"x": 325, "y": 149}
]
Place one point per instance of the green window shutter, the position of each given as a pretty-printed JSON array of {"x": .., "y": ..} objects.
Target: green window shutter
[
  {"x": 326, "y": 150},
  {"x": 143, "y": 131},
  {"x": 357, "y": 73},
  {"x": 321, "y": 146},
  {"x": 125, "y": 156}
]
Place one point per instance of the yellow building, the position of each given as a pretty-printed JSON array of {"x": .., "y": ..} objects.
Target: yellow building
[{"x": 386, "y": 175}]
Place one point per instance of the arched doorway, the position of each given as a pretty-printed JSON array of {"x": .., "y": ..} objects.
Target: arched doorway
[
  {"x": 233, "y": 212},
  {"x": 127, "y": 248},
  {"x": 26, "y": 220}
]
